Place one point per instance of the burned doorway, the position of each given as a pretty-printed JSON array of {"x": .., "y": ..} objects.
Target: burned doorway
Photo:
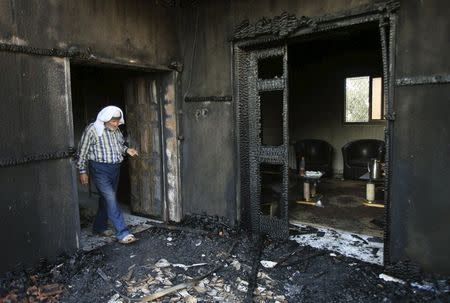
[
  {"x": 336, "y": 128},
  {"x": 249, "y": 39},
  {"x": 262, "y": 125},
  {"x": 137, "y": 93}
]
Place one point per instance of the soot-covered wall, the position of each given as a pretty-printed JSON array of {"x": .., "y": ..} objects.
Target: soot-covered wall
[
  {"x": 38, "y": 205},
  {"x": 420, "y": 189}
]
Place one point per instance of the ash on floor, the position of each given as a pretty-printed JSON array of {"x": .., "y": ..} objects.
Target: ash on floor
[
  {"x": 214, "y": 265},
  {"x": 362, "y": 247}
]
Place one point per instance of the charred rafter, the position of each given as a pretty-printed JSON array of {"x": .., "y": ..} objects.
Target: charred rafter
[
  {"x": 286, "y": 24},
  {"x": 281, "y": 26},
  {"x": 209, "y": 99}
]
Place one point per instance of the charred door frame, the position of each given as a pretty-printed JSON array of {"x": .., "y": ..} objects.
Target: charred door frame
[
  {"x": 280, "y": 30},
  {"x": 170, "y": 149},
  {"x": 276, "y": 226}
]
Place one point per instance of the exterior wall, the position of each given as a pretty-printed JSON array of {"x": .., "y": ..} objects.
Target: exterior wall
[
  {"x": 38, "y": 204},
  {"x": 420, "y": 205}
]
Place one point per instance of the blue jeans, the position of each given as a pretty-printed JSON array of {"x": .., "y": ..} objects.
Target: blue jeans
[{"x": 106, "y": 178}]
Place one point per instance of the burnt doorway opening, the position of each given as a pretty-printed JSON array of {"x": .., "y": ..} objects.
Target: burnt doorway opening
[
  {"x": 140, "y": 189},
  {"x": 337, "y": 127},
  {"x": 263, "y": 68}
]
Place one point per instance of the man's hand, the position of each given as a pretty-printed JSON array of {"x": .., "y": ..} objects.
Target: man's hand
[
  {"x": 84, "y": 179},
  {"x": 132, "y": 152}
]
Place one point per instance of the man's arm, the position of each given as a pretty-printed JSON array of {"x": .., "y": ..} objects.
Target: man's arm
[{"x": 83, "y": 151}]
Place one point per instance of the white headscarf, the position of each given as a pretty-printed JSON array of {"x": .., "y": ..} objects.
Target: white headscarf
[{"x": 105, "y": 115}]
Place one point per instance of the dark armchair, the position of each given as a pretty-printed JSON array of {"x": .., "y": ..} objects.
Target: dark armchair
[
  {"x": 318, "y": 155},
  {"x": 357, "y": 154}
]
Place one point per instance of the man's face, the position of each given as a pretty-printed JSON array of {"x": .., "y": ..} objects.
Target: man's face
[{"x": 113, "y": 124}]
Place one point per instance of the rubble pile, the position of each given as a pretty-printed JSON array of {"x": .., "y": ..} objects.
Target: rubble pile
[{"x": 214, "y": 264}]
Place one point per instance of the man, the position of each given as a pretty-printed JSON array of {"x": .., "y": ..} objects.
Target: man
[{"x": 102, "y": 149}]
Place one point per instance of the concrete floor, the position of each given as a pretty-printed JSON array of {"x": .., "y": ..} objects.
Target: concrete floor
[{"x": 344, "y": 208}]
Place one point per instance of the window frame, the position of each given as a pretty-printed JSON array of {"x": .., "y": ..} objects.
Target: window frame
[{"x": 371, "y": 121}]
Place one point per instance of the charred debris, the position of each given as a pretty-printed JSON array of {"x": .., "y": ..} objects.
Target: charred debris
[{"x": 204, "y": 260}]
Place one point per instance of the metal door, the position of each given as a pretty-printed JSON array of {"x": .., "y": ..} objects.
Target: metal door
[
  {"x": 268, "y": 141},
  {"x": 144, "y": 133},
  {"x": 38, "y": 209}
]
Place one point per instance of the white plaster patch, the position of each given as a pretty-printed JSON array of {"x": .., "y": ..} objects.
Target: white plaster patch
[
  {"x": 62, "y": 45},
  {"x": 15, "y": 40},
  {"x": 353, "y": 245}
]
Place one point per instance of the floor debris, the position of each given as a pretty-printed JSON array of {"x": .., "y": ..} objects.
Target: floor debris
[
  {"x": 268, "y": 264},
  {"x": 348, "y": 244},
  {"x": 224, "y": 268},
  {"x": 390, "y": 279}
]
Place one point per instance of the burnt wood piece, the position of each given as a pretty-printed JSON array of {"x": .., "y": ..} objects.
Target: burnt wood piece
[
  {"x": 38, "y": 157},
  {"x": 286, "y": 24},
  {"x": 209, "y": 99},
  {"x": 391, "y": 53},
  {"x": 422, "y": 80},
  {"x": 281, "y": 26},
  {"x": 72, "y": 52}
]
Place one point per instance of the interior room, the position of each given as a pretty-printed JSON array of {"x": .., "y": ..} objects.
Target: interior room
[
  {"x": 336, "y": 126},
  {"x": 336, "y": 131},
  {"x": 92, "y": 89}
]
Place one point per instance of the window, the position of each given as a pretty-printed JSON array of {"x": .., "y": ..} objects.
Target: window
[{"x": 363, "y": 99}]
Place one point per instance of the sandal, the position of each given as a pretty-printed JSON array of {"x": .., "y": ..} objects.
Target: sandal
[{"x": 128, "y": 239}]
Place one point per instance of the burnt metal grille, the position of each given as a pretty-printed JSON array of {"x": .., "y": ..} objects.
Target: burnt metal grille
[{"x": 275, "y": 226}]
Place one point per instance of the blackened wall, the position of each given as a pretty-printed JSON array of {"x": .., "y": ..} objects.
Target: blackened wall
[
  {"x": 38, "y": 211},
  {"x": 38, "y": 206},
  {"x": 208, "y": 148},
  {"x": 420, "y": 205},
  {"x": 136, "y": 30}
]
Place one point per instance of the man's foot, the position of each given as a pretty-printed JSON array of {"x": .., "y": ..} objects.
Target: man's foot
[{"x": 128, "y": 239}]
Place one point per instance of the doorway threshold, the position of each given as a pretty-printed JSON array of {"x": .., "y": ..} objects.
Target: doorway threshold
[
  {"x": 362, "y": 247},
  {"x": 90, "y": 241}
]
